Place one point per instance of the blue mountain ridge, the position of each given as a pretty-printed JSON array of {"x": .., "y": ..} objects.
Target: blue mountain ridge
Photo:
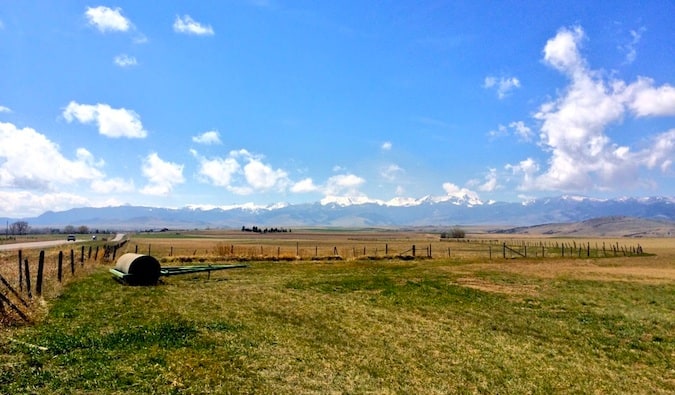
[{"x": 427, "y": 213}]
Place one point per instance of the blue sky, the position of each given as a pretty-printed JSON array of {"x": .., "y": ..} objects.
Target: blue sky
[{"x": 228, "y": 103}]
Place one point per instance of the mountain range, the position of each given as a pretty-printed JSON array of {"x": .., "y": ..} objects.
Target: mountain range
[{"x": 427, "y": 211}]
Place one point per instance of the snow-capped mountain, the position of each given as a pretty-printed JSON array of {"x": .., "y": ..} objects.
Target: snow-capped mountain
[{"x": 426, "y": 211}]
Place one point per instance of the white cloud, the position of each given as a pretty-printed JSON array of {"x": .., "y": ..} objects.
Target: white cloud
[
  {"x": 162, "y": 175},
  {"x": 5, "y": 109},
  {"x": 391, "y": 172},
  {"x": 106, "y": 19},
  {"x": 454, "y": 191},
  {"x": 113, "y": 185},
  {"x": 517, "y": 128},
  {"x": 263, "y": 177},
  {"x": 522, "y": 131},
  {"x": 304, "y": 186},
  {"x": 630, "y": 48},
  {"x": 386, "y": 146},
  {"x": 111, "y": 122},
  {"x": 646, "y": 100},
  {"x": 562, "y": 51},
  {"x": 490, "y": 183},
  {"x": 574, "y": 126},
  {"x": 210, "y": 137},
  {"x": 343, "y": 184},
  {"x": 503, "y": 85},
  {"x": 187, "y": 25},
  {"x": 125, "y": 60},
  {"x": 29, "y": 160},
  {"x": 25, "y": 203},
  {"x": 242, "y": 173}
]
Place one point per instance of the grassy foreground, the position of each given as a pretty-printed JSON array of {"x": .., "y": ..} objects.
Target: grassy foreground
[{"x": 357, "y": 327}]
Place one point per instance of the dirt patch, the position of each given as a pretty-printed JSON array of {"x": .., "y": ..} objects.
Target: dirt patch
[
  {"x": 506, "y": 289},
  {"x": 632, "y": 269}
]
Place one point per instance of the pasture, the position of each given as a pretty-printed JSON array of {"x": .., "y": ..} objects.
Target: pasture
[{"x": 464, "y": 320}]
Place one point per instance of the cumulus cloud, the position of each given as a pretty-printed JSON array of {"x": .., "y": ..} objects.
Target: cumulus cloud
[
  {"x": 490, "y": 183},
  {"x": 242, "y": 172},
  {"x": 124, "y": 60},
  {"x": 26, "y": 203},
  {"x": 29, "y": 160},
  {"x": 162, "y": 176},
  {"x": 113, "y": 185},
  {"x": 343, "y": 185},
  {"x": 107, "y": 19},
  {"x": 187, "y": 25},
  {"x": 111, "y": 122},
  {"x": 304, "y": 186},
  {"x": 454, "y": 191},
  {"x": 503, "y": 85},
  {"x": 573, "y": 132},
  {"x": 386, "y": 146},
  {"x": 210, "y": 137},
  {"x": 5, "y": 109}
]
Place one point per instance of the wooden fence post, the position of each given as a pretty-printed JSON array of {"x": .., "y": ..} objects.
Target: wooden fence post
[
  {"x": 413, "y": 250},
  {"x": 20, "y": 272},
  {"x": 96, "y": 254},
  {"x": 72, "y": 262},
  {"x": 60, "y": 266},
  {"x": 41, "y": 267},
  {"x": 82, "y": 257},
  {"x": 27, "y": 269},
  {"x": 136, "y": 249},
  {"x": 504, "y": 249},
  {"x": 89, "y": 255}
]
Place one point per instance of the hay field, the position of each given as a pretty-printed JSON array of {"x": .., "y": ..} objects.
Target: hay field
[{"x": 458, "y": 324}]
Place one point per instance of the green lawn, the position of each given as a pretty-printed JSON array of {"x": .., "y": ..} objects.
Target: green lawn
[{"x": 350, "y": 327}]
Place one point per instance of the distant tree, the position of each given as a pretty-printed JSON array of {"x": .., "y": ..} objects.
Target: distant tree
[
  {"x": 455, "y": 233},
  {"x": 82, "y": 229},
  {"x": 19, "y": 228},
  {"x": 69, "y": 229}
]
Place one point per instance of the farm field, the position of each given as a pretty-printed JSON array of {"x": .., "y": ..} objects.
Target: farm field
[{"x": 464, "y": 320}]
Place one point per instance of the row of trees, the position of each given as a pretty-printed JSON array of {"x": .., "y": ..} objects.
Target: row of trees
[{"x": 19, "y": 228}]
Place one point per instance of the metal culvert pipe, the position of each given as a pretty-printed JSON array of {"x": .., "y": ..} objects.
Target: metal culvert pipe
[{"x": 139, "y": 269}]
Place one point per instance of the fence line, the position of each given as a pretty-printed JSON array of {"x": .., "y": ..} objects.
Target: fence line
[{"x": 18, "y": 300}]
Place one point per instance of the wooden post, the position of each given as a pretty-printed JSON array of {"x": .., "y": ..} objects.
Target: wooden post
[
  {"x": 20, "y": 273},
  {"x": 82, "y": 257},
  {"x": 72, "y": 262},
  {"x": 136, "y": 249},
  {"x": 60, "y": 267},
  {"x": 386, "y": 249},
  {"x": 171, "y": 251},
  {"x": 27, "y": 270},
  {"x": 89, "y": 254},
  {"x": 149, "y": 249},
  {"x": 413, "y": 250},
  {"x": 96, "y": 254},
  {"x": 504, "y": 250},
  {"x": 41, "y": 267}
]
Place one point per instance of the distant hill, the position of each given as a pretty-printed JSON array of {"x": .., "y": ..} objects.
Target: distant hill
[
  {"x": 614, "y": 226},
  {"x": 631, "y": 215}
]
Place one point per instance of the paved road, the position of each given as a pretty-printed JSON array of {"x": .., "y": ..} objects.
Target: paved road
[{"x": 45, "y": 244}]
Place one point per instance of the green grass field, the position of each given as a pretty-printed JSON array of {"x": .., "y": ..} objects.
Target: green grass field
[{"x": 432, "y": 326}]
